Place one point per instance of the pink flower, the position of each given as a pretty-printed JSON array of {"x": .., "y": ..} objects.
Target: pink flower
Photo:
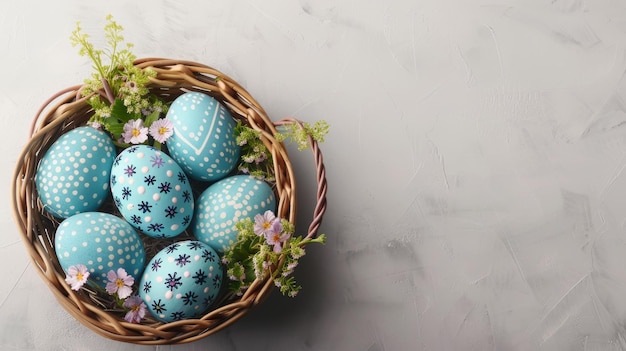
[
  {"x": 275, "y": 236},
  {"x": 290, "y": 268},
  {"x": 137, "y": 309},
  {"x": 263, "y": 223},
  {"x": 135, "y": 132},
  {"x": 161, "y": 129},
  {"x": 131, "y": 86},
  {"x": 262, "y": 157},
  {"x": 77, "y": 276},
  {"x": 271, "y": 227},
  {"x": 95, "y": 125},
  {"x": 120, "y": 283}
]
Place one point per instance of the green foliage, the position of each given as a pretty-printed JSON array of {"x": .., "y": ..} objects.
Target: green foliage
[
  {"x": 301, "y": 135},
  {"x": 120, "y": 88},
  {"x": 256, "y": 159},
  {"x": 250, "y": 257}
]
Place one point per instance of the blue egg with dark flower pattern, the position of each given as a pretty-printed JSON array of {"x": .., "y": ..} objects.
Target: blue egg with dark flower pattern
[
  {"x": 181, "y": 281},
  {"x": 152, "y": 192}
]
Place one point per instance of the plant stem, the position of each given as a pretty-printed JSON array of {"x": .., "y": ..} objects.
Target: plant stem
[{"x": 107, "y": 89}]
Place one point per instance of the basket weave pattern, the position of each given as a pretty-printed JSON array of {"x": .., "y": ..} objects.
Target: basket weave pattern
[{"x": 67, "y": 110}]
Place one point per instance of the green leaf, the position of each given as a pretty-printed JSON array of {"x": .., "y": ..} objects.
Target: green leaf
[
  {"x": 151, "y": 118},
  {"x": 120, "y": 112},
  {"x": 116, "y": 129}
]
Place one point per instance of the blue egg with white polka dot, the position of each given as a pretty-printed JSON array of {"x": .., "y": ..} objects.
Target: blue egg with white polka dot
[
  {"x": 226, "y": 202},
  {"x": 203, "y": 142},
  {"x": 102, "y": 242},
  {"x": 73, "y": 175}
]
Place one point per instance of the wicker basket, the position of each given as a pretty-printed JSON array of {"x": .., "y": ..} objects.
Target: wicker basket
[{"x": 67, "y": 110}]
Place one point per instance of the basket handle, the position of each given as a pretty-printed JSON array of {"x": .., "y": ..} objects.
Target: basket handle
[{"x": 320, "y": 172}]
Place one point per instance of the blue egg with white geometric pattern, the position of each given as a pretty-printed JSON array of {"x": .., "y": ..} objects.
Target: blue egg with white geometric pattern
[
  {"x": 73, "y": 175},
  {"x": 203, "y": 142},
  {"x": 100, "y": 241},
  {"x": 226, "y": 202},
  {"x": 152, "y": 192},
  {"x": 181, "y": 281}
]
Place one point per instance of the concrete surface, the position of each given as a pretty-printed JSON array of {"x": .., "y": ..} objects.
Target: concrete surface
[{"x": 476, "y": 163}]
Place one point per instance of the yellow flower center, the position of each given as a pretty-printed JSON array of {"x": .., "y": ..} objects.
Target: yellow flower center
[
  {"x": 119, "y": 283},
  {"x": 162, "y": 130},
  {"x": 266, "y": 225},
  {"x": 135, "y": 132},
  {"x": 79, "y": 276}
]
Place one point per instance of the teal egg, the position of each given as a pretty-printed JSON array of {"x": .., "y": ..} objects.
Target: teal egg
[
  {"x": 73, "y": 175},
  {"x": 203, "y": 142},
  {"x": 226, "y": 202},
  {"x": 152, "y": 192},
  {"x": 100, "y": 241},
  {"x": 181, "y": 281}
]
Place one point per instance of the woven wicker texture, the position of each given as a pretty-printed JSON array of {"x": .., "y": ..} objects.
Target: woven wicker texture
[{"x": 67, "y": 110}]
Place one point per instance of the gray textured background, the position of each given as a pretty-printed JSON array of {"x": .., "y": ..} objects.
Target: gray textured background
[{"x": 476, "y": 164}]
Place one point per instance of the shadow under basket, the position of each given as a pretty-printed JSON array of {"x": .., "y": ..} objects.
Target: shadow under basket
[{"x": 67, "y": 110}]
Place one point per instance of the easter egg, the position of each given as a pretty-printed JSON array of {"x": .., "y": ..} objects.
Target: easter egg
[
  {"x": 203, "y": 141},
  {"x": 152, "y": 192},
  {"x": 73, "y": 175},
  {"x": 226, "y": 202},
  {"x": 100, "y": 241},
  {"x": 181, "y": 281}
]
